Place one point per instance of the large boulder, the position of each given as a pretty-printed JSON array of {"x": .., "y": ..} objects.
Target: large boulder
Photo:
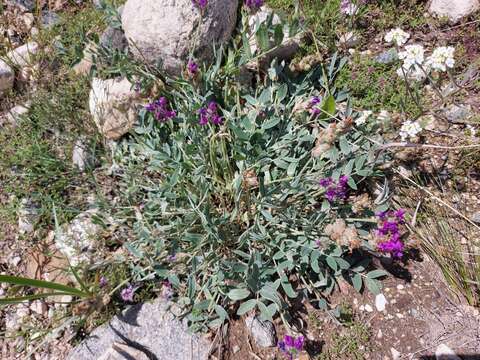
[
  {"x": 170, "y": 30},
  {"x": 113, "y": 107},
  {"x": 454, "y": 10},
  {"x": 152, "y": 329}
]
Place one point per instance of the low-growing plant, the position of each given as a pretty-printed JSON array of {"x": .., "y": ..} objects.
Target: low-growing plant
[{"x": 224, "y": 184}]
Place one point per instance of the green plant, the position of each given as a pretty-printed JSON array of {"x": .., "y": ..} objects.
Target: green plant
[{"x": 232, "y": 215}]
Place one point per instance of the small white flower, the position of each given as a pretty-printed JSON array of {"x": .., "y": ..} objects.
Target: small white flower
[
  {"x": 347, "y": 7},
  {"x": 409, "y": 129},
  {"x": 362, "y": 119},
  {"x": 383, "y": 115},
  {"x": 397, "y": 36},
  {"x": 442, "y": 58},
  {"x": 413, "y": 55}
]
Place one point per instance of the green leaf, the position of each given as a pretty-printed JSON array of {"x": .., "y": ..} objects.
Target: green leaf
[
  {"x": 270, "y": 123},
  {"x": 238, "y": 294},
  {"x": 332, "y": 263},
  {"x": 221, "y": 312},
  {"x": 247, "y": 306},
  {"x": 17, "y": 280},
  {"x": 329, "y": 106},
  {"x": 373, "y": 285},
  {"x": 287, "y": 287},
  {"x": 357, "y": 282},
  {"x": 291, "y": 168},
  {"x": 262, "y": 37},
  {"x": 269, "y": 293},
  {"x": 278, "y": 34},
  {"x": 374, "y": 274}
]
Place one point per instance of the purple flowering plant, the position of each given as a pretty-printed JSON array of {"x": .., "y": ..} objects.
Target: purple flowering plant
[
  {"x": 291, "y": 346},
  {"x": 335, "y": 190},
  {"x": 160, "y": 110},
  {"x": 202, "y": 4},
  {"x": 209, "y": 114},
  {"x": 388, "y": 232},
  {"x": 254, "y": 4},
  {"x": 127, "y": 293}
]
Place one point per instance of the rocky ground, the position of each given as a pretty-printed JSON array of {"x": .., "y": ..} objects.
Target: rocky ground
[{"x": 57, "y": 172}]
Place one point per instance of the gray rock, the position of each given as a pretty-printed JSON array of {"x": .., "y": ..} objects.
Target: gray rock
[
  {"x": 28, "y": 216},
  {"x": 26, "y": 5},
  {"x": 78, "y": 241},
  {"x": 458, "y": 113},
  {"x": 169, "y": 31},
  {"x": 114, "y": 39},
  {"x": 262, "y": 331},
  {"x": 119, "y": 351},
  {"x": 151, "y": 328},
  {"x": 112, "y": 105},
  {"x": 7, "y": 77},
  {"x": 476, "y": 217},
  {"x": 454, "y": 10},
  {"x": 81, "y": 156},
  {"x": 50, "y": 19},
  {"x": 443, "y": 352},
  {"x": 387, "y": 57},
  {"x": 23, "y": 55},
  {"x": 15, "y": 114}
]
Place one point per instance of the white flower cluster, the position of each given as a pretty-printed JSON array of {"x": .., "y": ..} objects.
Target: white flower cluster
[
  {"x": 397, "y": 36},
  {"x": 442, "y": 58},
  {"x": 409, "y": 129},
  {"x": 362, "y": 119},
  {"x": 412, "y": 55}
]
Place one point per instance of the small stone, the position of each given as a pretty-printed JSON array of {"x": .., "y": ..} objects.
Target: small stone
[
  {"x": 368, "y": 308},
  {"x": 458, "y": 113},
  {"x": 7, "y": 76},
  {"x": 235, "y": 349},
  {"x": 379, "y": 334},
  {"x": 348, "y": 40},
  {"x": 81, "y": 156},
  {"x": 400, "y": 287},
  {"x": 387, "y": 57},
  {"x": 380, "y": 302},
  {"x": 262, "y": 331},
  {"x": 39, "y": 307},
  {"x": 476, "y": 217},
  {"x": 399, "y": 315},
  {"x": 395, "y": 354},
  {"x": 22, "y": 311},
  {"x": 50, "y": 19},
  {"x": 28, "y": 216},
  {"x": 443, "y": 352},
  {"x": 14, "y": 261},
  {"x": 23, "y": 55}
]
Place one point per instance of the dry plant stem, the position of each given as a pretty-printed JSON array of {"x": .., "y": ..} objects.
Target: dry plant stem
[
  {"x": 407, "y": 85},
  {"x": 438, "y": 199}
]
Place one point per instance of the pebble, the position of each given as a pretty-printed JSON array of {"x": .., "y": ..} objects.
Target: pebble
[
  {"x": 39, "y": 307},
  {"x": 236, "y": 349},
  {"x": 400, "y": 287},
  {"x": 379, "y": 334},
  {"x": 368, "y": 308},
  {"x": 395, "y": 354},
  {"x": 400, "y": 316},
  {"x": 443, "y": 352},
  {"x": 380, "y": 302}
]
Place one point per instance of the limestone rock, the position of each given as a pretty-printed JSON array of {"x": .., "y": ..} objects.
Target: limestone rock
[
  {"x": 443, "y": 352},
  {"x": 23, "y": 55},
  {"x": 14, "y": 115},
  {"x": 114, "y": 39},
  {"x": 151, "y": 328},
  {"x": 7, "y": 76},
  {"x": 170, "y": 30},
  {"x": 262, "y": 331},
  {"x": 81, "y": 156},
  {"x": 119, "y": 351},
  {"x": 113, "y": 107},
  {"x": 78, "y": 241},
  {"x": 454, "y": 10}
]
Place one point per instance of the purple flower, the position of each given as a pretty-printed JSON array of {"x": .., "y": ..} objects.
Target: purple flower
[
  {"x": 160, "y": 110},
  {"x": 167, "y": 290},
  {"x": 172, "y": 257},
  {"x": 192, "y": 67},
  {"x": 335, "y": 191},
  {"x": 103, "y": 282},
  {"x": 200, "y": 3},
  {"x": 389, "y": 232},
  {"x": 127, "y": 293},
  {"x": 254, "y": 4},
  {"x": 291, "y": 346},
  {"x": 209, "y": 114},
  {"x": 314, "y": 105}
]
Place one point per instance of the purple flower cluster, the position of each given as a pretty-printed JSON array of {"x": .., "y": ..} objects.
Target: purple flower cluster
[
  {"x": 192, "y": 68},
  {"x": 254, "y": 4},
  {"x": 200, "y": 3},
  {"x": 388, "y": 232},
  {"x": 160, "y": 110},
  {"x": 290, "y": 346},
  {"x": 210, "y": 114},
  {"x": 167, "y": 290},
  {"x": 335, "y": 190},
  {"x": 127, "y": 293},
  {"x": 313, "y": 106},
  {"x": 103, "y": 282}
]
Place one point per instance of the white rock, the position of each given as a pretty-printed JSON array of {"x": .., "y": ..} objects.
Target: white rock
[
  {"x": 81, "y": 156},
  {"x": 27, "y": 216},
  {"x": 395, "y": 354},
  {"x": 113, "y": 107},
  {"x": 454, "y": 10},
  {"x": 348, "y": 40},
  {"x": 368, "y": 308},
  {"x": 14, "y": 261},
  {"x": 443, "y": 352},
  {"x": 7, "y": 76},
  {"x": 400, "y": 287},
  {"x": 262, "y": 331},
  {"x": 380, "y": 302},
  {"x": 22, "y": 311},
  {"x": 78, "y": 241},
  {"x": 39, "y": 307},
  {"x": 23, "y": 55},
  {"x": 171, "y": 30},
  {"x": 14, "y": 115}
]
